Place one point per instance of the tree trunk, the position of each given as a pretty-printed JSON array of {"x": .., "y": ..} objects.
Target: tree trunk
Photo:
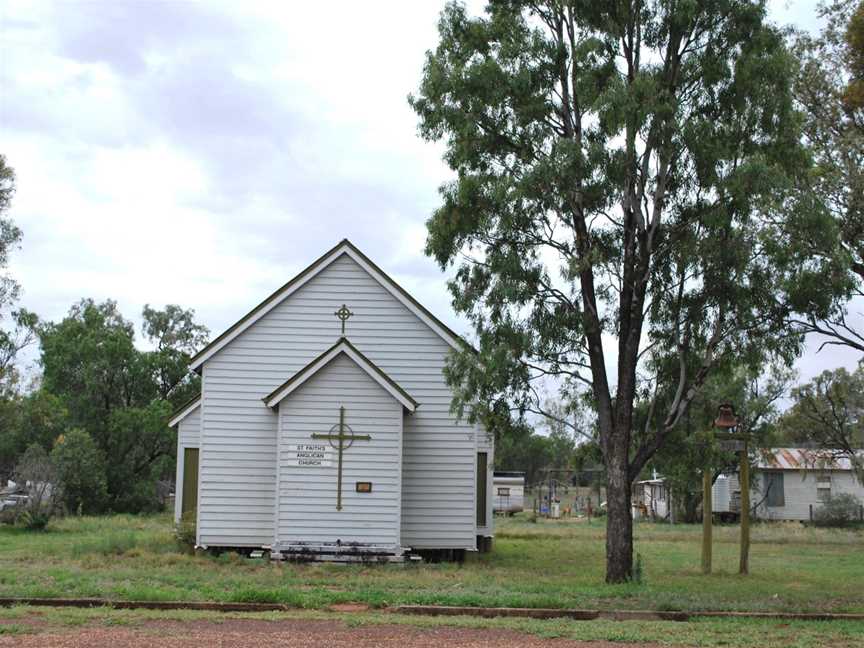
[
  {"x": 619, "y": 520},
  {"x": 691, "y": 508}
]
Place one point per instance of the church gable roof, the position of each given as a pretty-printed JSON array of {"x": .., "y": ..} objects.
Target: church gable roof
[
  {"x": 343, "y": 346},
  {"x": 345, "y": 247},
  {"x": 184, "y": 410}
]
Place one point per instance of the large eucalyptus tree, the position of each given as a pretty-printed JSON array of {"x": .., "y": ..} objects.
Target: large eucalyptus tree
[
  {"x": 616, "y": 221},
  {"x": 829, "y": 88}
]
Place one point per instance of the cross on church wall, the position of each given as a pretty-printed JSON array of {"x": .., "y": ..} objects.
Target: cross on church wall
[{"x": 344, "y": 434}]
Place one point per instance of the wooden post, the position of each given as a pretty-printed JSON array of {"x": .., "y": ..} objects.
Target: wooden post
[
  {"x": 744, "y": 563},
  {"x": 707, "y": 509},
  {"x": 671, "y": 506}
]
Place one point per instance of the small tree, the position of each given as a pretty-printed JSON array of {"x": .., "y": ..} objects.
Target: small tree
[
  {"x": 80, "y": 470},
  {"x": 121, "y": 395},
  {"x": 693, "y": 447},
  {"x": 828, "y": 412},
  {"x": 36, "y": 474}
]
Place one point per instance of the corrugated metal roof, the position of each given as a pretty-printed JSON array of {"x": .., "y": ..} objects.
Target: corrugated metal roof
[{"x": 800, "y": 459}]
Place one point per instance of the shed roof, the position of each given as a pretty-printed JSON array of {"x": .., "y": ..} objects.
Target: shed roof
[
  {"x": 343, "y": 346},
  {"x": 801, "y": 459}
]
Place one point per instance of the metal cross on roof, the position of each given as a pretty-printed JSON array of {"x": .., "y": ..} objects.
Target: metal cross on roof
[{"x": 343, "y": 314}]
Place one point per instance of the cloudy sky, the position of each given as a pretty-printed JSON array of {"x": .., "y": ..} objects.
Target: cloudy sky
[{"x": 203, "y": 153}]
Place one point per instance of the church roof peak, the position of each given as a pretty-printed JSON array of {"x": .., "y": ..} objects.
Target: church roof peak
[{"x": 345, "y": 246}]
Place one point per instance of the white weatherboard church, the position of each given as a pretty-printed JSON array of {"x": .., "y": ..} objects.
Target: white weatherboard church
[{"x": 323, "y": 427}]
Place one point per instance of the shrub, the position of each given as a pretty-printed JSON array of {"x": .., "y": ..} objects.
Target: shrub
[
  {"x": 839, "y": 511},
  {"x": 638, "y": 575},
  {"x": 37, "y": 473},
  {"x": 186, "y": 531},
  {"x": 9, "y": 515},
  {"x": 34, "y": 519},
  {"x": 80, "y": 471}
]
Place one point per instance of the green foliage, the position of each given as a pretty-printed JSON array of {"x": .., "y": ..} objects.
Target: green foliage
[
  {"x": 694, "y": 446},
  {"x": 120, "y": 395},
  {"x": 43, "y": 418},
  {"x": 10, "y": 235},
  {"x": 140, "y": 435},
  {"x": 830, "y": 91},
  {"x": 186, "y": 531},
  {"x": 828, "y": 412},
  {"x": 9, "y": 515},
  {"x": 853, "y": 98},
  {"x": 35, "y": 519},
  {"x": 840, "y": 510},
  {"x": 38, "y": 417},
  {"x": 176, "y": 338},
  {"x": 535, "y": 453},
  {"x": 80, "y": 468},
  {"x": 14, "y": 338},
  {"x": 257, "y": 595}
]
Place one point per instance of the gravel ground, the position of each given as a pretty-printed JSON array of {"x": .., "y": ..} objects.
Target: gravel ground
[{"x": 293, "y": 633}]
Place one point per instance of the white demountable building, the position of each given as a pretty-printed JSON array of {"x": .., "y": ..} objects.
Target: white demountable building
[
  {"x": 324, "y": 428},
  {"x": 651, "y": 499},
  {"x": 509, "y": 491}
]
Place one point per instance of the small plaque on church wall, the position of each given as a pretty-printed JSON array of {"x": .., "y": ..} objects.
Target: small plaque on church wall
[
  {"x": 364, "y": 487},
  {"x": 311, "y": 455}
]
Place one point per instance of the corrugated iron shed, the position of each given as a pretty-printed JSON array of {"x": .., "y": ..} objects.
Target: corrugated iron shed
[{"x": 801, "y": 459}]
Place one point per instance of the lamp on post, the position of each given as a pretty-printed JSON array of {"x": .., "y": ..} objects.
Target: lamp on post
[{"x": 732, "y": 440}]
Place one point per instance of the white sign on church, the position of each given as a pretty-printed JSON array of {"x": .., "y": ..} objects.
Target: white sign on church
[{"x": 313, "y": 455}]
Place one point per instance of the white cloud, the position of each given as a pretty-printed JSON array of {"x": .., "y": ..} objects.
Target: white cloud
[{"x": 201, "y": 154}]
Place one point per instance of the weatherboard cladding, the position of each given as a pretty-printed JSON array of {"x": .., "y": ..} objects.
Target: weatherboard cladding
[
  {"x": 345, "y": 247},
  {"x": 307, "y": 502},
  {"x": 188, "y": 433},
  {"x": 238, "y": 471},
  {"x": 189, "y": 429},
  {"x": 801, "y": 491},
  {"x": 343, "y": 346}
]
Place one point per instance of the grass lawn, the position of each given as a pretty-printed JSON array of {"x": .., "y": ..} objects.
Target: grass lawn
[{"x": 543, "y": 564}]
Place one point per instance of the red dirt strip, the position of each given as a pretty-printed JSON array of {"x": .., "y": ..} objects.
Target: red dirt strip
[{"x": 293, "y": 633}]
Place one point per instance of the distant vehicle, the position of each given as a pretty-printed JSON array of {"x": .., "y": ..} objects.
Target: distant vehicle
[
  {"x": 509, "y": 491},
  {"x": 11, "y": 501}
]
